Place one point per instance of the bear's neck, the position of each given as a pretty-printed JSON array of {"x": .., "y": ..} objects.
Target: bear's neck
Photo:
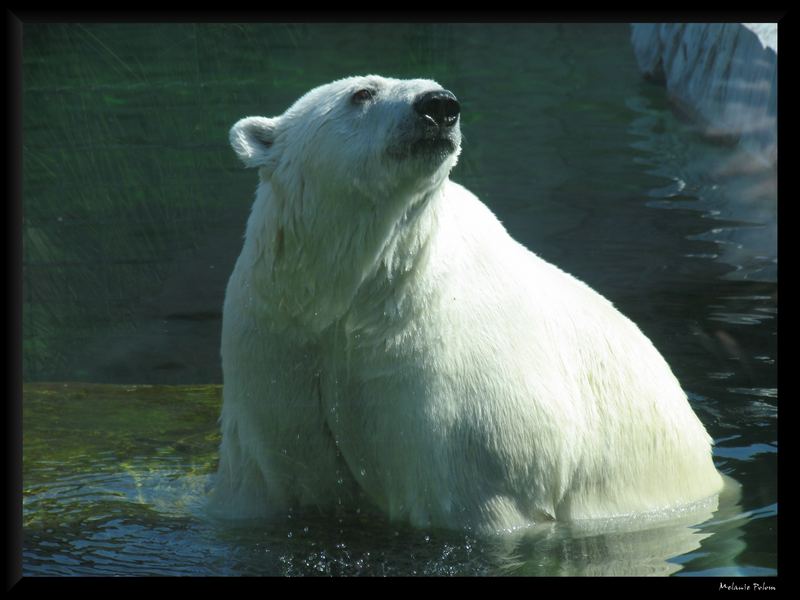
[{"x": 340, "y": 256}]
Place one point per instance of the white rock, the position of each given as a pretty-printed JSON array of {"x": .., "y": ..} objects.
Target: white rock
[
  {"x": 723, "y": 74},
  {"x": 766, "y": 32}
]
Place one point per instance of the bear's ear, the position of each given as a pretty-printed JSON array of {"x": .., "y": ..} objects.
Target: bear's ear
[{"x": 252, "y": 139}]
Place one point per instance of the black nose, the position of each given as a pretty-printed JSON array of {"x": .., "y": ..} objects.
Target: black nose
[{"x": 439, "y": 105}]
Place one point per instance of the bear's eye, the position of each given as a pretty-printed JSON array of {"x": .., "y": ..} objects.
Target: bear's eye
[{"x": 362, "y": 96}]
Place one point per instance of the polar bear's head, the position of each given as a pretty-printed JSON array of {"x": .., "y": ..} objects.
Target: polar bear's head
[{"x": 369, "y": 136}]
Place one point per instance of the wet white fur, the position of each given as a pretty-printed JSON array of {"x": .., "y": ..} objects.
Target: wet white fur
[{"x": 383, "y": 332}]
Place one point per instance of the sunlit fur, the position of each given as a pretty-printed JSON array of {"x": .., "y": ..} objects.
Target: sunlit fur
[{"x": 382, "y": 332}]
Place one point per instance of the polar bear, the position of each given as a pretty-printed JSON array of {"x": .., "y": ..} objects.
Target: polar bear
[{"x": 384, "y": 336}]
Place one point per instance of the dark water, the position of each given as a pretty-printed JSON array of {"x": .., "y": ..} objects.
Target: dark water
[{"x": 134, "y": 207}]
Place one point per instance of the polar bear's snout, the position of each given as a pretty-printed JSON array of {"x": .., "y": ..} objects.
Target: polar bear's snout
[
  {"x": 432, "y": 134},
  {"x": 440, "y": 107}
]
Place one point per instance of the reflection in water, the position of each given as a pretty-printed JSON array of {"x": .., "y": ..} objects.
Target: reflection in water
[
  {"x": 637, "y": 545},
  {"x": 369, "y": 546},
  {"x": 731, "y": 187}
]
